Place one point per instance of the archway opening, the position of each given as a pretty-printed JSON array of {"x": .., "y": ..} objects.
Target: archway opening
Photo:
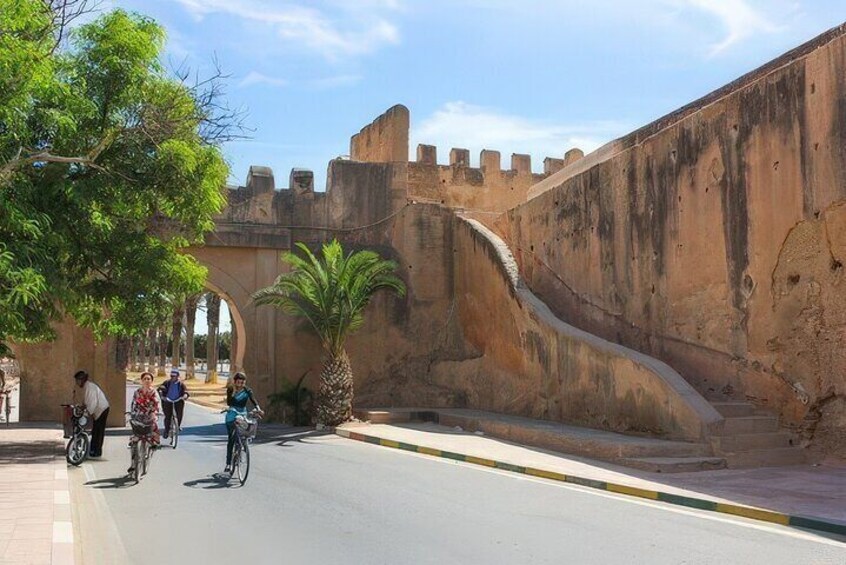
[
  {"x": 219, "y": 337},
  {"x": 10, "y": 391},
  {"x": 183, "y": 343}
]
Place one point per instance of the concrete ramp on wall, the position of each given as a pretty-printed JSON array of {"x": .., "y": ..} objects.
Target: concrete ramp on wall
[{"x": 564, "y": 373}]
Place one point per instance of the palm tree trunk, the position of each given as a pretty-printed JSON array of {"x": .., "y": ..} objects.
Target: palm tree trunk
[
  {"x": 335, "y": 394},
  {"x": 162, "y": 352},
  {"x": 190, "y": 318},
  {"x": 213, "y": 316},
  {"x": 233, "y": 344},
  {"x": 151, "y": 351},
  {"x": 176, "y": 335}
]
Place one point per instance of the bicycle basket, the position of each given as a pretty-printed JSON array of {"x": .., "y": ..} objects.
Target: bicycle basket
[
  {"x": 246, "y": 428},
  {"x": 140, "y": 427}
]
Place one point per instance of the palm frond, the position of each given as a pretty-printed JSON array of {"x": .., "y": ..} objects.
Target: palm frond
[{"x": 330, "y": 290}]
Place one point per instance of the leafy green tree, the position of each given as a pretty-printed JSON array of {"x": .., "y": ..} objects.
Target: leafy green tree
[
  {"x": 331, "y": 292},
  {"x": 109, "y": 166}
]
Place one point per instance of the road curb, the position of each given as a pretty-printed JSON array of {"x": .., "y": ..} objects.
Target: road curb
[
  {"x": 804, "y": 522},
  {"x": 206, "y": 403}
]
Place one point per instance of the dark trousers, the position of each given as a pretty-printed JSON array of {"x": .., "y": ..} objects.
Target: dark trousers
[
  {"x": 98, "y": 434},
  {"x": 230, "y": 431},
  {"x": 168, "y": 412}
]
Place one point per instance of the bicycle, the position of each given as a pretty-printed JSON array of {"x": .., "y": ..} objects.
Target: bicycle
[
  {"x": 7, "y": 405},
  {"x": 245, "y": 430},
  {"x": 76, "y": 423},
  {"x": 175, "y": 425},
  {"x": 142, "y": 452}
]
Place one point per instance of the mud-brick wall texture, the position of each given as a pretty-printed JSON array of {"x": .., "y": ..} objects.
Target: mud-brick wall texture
[{"x": 715, "y": 240}]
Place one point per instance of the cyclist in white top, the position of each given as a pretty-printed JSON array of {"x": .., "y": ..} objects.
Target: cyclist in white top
[{"x": 98, "y": 406}]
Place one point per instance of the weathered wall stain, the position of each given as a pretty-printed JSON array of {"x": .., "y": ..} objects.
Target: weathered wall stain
[{"x": 685, "y": 262}]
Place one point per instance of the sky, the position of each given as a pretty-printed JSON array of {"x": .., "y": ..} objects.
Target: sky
[
  {"x": 527, "y": 76},
  {"x": 201, "y": 322}
]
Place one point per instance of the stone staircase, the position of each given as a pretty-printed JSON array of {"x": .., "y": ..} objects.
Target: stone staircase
[{"x": 751, "y": 438}]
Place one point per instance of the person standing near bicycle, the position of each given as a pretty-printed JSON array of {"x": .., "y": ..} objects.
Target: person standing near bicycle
[
  {"x": 2, "y": 394},
  {"x": 97, "y": 404},
  {"x": 173, "y": 391},
  {"x": 146, "y": 406},
  {"x": 237, "y": 396}
]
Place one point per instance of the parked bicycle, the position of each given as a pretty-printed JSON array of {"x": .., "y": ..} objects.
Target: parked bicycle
[
  {"x": 77, "y": 425},
  {"x": 141, "y": 450},
  {"x": 175, "y": 426},
  {"x": 7, "y": 405},
  {"x": 245, "y": 431}
]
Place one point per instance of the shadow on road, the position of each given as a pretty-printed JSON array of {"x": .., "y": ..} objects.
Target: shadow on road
[
  {"x": 215, "y": 481},
  {"x": 283, "y": 435},
  {"x": 114, "y": 482}
]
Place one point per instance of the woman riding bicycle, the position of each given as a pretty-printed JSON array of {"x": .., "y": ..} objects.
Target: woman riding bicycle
[
  {"x": 237, "y": 396},
  {"x": 146, "y": 406}
]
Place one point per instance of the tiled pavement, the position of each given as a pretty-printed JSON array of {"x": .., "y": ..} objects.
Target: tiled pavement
[{"x": 35, "y": 515}]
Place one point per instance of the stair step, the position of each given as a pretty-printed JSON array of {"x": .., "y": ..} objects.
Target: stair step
[
  {"x": 675, "y": 464},
  {"x": 734, "y": 409},
  {"x": 779, "y": 457},
  {"x": 749, "y": 442},
  {"x": 749, "y": 425}
]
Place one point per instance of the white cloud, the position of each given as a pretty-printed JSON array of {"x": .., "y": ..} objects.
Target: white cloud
[
  {"x": 740, "y": 19},
  {"x": 458, "y": 124},
  {"x": 358, "y": 28},
  {"x": 334, "y": 81},
  {"x": 325, "y": 83},
  {"x": 255, "y": 77}
]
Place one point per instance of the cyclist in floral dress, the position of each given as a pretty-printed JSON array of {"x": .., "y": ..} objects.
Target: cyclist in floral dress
[{"x": 146, "y": 406}]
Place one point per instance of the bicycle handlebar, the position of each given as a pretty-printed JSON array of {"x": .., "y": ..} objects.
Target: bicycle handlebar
[{"x": 173, "y": 401}]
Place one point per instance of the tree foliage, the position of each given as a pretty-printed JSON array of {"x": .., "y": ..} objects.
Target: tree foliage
[
  {"x": 109, "y": 166},
  {"x": 331, "y": 291}
]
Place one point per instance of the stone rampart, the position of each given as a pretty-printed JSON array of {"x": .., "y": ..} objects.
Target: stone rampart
[
  {"x": 385, "y": 140},
  {"x": 487, "y": 188},
  {"x": 538, "y": 366},
  {"x": 712, "y": 239}
]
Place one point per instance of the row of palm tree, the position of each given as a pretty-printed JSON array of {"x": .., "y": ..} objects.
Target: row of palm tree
[{"x": 150, "y": 350}]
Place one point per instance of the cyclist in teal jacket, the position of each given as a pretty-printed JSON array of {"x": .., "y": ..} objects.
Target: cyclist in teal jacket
[{"x": 237, "y": 396}]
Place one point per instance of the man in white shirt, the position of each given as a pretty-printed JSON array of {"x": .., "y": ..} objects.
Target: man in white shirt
[{"x": 98, "y": 406}]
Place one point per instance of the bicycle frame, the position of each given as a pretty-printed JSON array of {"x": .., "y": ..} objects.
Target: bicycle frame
[
  {"x": 76, "y": 450},
  {"x": 175, "y": 425},
  {"x": 7, "y": 405},
  {"x": 241, "y": 449},
  {"x": 141, "y": 455}
]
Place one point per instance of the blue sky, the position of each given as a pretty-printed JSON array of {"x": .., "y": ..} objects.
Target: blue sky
[{"x": 524, "y": 76}]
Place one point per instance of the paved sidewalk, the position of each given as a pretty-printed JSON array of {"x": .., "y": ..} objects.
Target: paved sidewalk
[
  {"x": 804, "y": 490},
  {"x": 35, "y": 514}
]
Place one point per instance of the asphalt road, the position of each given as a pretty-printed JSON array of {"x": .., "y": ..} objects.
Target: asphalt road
[{"x": 323, "y": 499}]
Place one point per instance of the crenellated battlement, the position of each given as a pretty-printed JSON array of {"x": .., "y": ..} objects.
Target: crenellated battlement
[
  {"x": 488, "y": 187},
  {"x": 384, "y": 144},
  {"x": 490, "y": 161}
]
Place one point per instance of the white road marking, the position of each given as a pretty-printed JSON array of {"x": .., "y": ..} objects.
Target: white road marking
[
  {"x": 62, "y": 532},
  {"x": 61, "y": 497}
]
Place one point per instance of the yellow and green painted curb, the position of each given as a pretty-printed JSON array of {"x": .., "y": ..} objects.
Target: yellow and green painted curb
[{"x": 805, "y": 522}]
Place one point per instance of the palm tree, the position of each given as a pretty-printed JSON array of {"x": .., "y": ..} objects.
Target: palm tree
[{"x": 331, "y": 292}]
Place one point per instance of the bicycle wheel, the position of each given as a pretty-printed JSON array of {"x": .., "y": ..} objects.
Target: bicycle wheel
[
  {"x": 243, "y": 468},
  {"x": 77, "y": 449},
  {"x": 136, "y": 462},
  {"x": 174, "y": 432},
  {"x": 145, "y": 457}
]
